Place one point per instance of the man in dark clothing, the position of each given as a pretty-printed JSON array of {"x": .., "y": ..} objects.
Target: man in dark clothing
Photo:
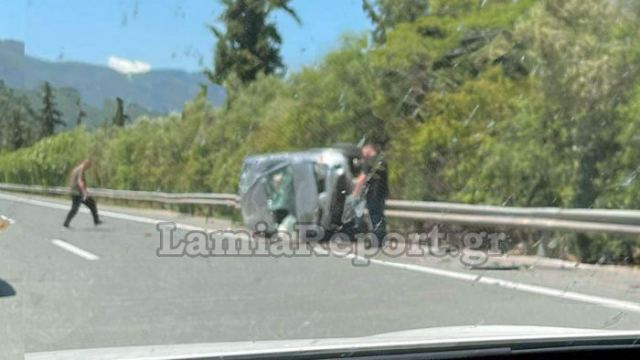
[
  {"x": 373, "y": 183},
  {"x": 80, "y": 195}
]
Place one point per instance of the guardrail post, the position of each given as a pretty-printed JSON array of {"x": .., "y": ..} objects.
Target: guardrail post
[
  {"x": 209, "y": 213},
  {"x": 541, "y": 251}
]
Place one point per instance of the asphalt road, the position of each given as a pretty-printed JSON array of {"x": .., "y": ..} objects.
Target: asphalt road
[{"x": 94, "y": 287}]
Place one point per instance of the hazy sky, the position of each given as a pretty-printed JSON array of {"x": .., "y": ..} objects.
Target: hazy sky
[{"x": 137, "y": 34}]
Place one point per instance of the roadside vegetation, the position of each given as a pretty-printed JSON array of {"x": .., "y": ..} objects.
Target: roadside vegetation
[{"x": 523, "y": 103}]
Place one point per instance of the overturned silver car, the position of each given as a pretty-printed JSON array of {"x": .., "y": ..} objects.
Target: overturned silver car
[{"x": 307, "y": 187}]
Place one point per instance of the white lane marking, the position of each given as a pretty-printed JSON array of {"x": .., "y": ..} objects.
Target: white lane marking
[
  {"x": 110, "y": 214},
  {"x": 541, "y": 290},
  {"x": 486, "y": 280},
  {"x": 75, "y": 250}
]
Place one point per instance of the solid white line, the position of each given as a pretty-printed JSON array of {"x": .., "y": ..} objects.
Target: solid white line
[
  {"x": 534, "y": 289},
  {"x": 75, "y": 250},
  {"x": 109, "y": 214}
]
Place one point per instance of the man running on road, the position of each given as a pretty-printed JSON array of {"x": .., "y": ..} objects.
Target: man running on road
[{"x": 79, "y": 194}]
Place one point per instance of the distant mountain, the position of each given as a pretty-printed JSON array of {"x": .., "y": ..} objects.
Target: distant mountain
[{"x": 158, "y": 90}]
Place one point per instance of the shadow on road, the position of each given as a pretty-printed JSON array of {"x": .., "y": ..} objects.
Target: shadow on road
[{"x": 6, "y": 289}]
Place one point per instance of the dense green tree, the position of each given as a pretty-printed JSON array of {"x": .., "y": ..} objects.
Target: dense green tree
[
  {"x": 587, "y": 69},
  {"x": 50, "y": 116},
  {"x": 17, "y": 126},
  {"x": 81, "y": 113},
  {"x": 250, "y": 43},
  {"x": 19, "y": 131},
  {"x": 120, "y": 118},
  {"x": 334, "y": 102},
  {"x": 386, "y": 14}
]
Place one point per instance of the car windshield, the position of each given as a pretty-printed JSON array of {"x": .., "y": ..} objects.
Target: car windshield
[{"x": 234, "y": 172}]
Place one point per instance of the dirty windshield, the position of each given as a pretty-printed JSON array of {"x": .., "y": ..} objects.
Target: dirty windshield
[{"x": 269, "y": 173}]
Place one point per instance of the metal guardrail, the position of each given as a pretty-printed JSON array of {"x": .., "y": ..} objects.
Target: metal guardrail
[
  {"x": 151, "y": 196},
  {"x": 628, "y": 217},
  {"x": 542, "y": 223},
  {"x": 575, "y": 220}
]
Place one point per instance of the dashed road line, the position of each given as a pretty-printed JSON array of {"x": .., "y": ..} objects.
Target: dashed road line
[{"x": 75, "y": 250}]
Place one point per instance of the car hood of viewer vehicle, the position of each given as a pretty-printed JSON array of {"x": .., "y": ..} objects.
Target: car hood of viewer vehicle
[{"x": 429, "y": 339}]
